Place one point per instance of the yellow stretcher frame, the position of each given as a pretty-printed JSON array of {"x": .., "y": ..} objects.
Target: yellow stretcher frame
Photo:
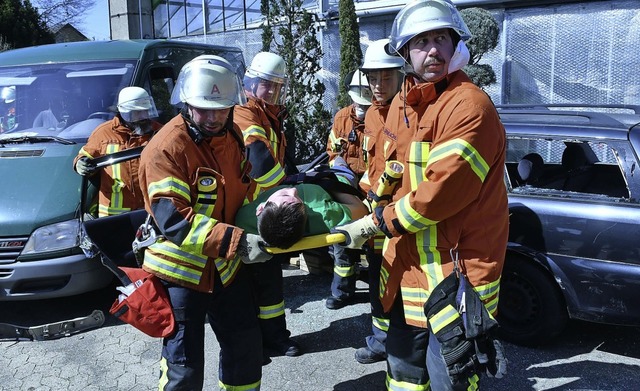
[{"x": 309, "y": 242}]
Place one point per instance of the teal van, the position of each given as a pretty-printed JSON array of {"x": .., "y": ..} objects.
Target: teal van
[{"x": 51, "y": 98}]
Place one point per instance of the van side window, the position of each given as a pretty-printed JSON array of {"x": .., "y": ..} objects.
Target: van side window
[{"x": 160, "y": 84}]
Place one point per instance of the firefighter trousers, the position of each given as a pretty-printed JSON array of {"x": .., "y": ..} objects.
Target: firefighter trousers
[
  {"x": 379, "y": 320},
  {"x": 343, "y": 285},
  {"x": 231, "y": 314},
  {"x": 414, "y": 361},
  {"x": 267, "y": 283}
]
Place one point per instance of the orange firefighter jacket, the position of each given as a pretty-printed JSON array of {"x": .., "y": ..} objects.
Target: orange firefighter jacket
[
  {"x": 374, "y": 155},
  {"x": 374, "y": 122},
  {"x": 263, "y": 133},
  {"x": 452, "y": 200},
  {"x": 193, "y": 191},
  {"x": 344, "y": 122},
  {"x": 119, "y": 188}
]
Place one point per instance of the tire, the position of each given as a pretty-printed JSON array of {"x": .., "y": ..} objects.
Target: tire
[{"x": 532, "y": 310}]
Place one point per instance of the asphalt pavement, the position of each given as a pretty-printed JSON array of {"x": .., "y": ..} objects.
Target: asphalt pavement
[{"x": 118, "y": 357}]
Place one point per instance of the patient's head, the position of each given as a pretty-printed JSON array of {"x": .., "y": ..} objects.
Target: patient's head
[{"x": 282, "y": 218}]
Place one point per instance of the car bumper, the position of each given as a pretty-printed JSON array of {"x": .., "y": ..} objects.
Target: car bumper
[{"x": 52, "y": 278}]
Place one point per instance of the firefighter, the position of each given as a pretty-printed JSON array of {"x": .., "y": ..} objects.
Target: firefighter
[
  {"x": 450, "y": 207},
  {"x": 132, "y": 126},
  {"x": 261, "y": 121},
  {"x": 8, "y": 101},
  {"x": 384, "y": 76},
  {"x": 346, "y": 141},
  {"x": 195, "y": 178}
]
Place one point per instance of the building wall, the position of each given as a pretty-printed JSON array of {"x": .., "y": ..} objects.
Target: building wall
[{"x": 558, "y": 52}]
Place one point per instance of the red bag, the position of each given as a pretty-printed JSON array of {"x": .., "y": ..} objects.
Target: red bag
[{"x": 147, "y": 308}]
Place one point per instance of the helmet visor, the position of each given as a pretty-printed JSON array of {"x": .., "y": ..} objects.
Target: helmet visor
[
  {"x": 208, "y": 85},
  {"x": 271, "y": 92},
  {"x": 138, "y": 109}
]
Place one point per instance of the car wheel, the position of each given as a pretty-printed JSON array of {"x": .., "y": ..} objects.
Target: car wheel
[{"x": 531, "y": 310}]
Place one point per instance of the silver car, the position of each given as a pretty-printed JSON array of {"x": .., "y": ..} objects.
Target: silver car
[{"x": 574, "y": 236}]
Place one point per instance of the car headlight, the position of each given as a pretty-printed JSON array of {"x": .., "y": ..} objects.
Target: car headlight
[{"x": 53, "y": 237}]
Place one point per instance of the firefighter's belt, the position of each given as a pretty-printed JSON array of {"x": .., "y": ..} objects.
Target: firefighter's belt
[
  {"x": 55, "y": 330},
  {"x": 464, "y": 328}
]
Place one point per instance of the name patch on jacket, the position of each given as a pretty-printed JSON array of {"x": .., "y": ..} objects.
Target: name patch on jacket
[{"x": 390, "y": 134}]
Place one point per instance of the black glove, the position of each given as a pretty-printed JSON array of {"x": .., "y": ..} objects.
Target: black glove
[
  {"x": 251, "y": 249},
  {"x": 84, "y": 167}
]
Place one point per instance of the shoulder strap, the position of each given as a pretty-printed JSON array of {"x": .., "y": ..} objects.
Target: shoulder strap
[{"x": 326, "y": 178}]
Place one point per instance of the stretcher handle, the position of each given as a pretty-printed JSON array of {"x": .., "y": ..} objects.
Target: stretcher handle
[{"x": 309, "y": 242}]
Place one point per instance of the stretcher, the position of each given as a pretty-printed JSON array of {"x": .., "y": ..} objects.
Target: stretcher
[{"x": 310, "y": 242}]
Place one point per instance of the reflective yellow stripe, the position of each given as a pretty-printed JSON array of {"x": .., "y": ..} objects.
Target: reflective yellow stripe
[
  {"x": 465, "y": 150},
  {"x": 380, "y": 323},
  {"x": 271, "y": 311},
  {"x": 171, "y": 269},
  {"x": 413, "y": 303},
  {"x": 384, "y": 278},
  {"x": 170, "y": 185},
  {"x": 396, "y": 385},
  {"x": 272, "y": 177},
  {"x": 430, "y": 257},
  {"x": 473, "y": 383},
  {"x": 411, "y": 220},
  {"x": 83, "y": 152},
  {"x": 205, "y": 209},
  {"x": 116, "y": 200},
  {"x": 443, "y": 318},
  {"x": 170, "y": 250},
  {"x": 378, "y": 242},
  {"x": 489, "y": 290},
  {"x": 248, "y": 387},
  {"x": 344, "y": 271},
  {"x": 254, "y": 130},
  {"x": 365, "y": 150},
  {"x": 164, "y": 379},
  {"x": 227, "y": 268},
  {"x": 201, "y": 226},
  {"x": 104, "y": 211},
  {"x": 417, "y": 162}
]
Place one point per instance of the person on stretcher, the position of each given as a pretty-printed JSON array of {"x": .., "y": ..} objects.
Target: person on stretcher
[{"x": 285, "y": 214}]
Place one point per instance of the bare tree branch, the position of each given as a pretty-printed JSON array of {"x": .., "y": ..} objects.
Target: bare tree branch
[{"x": 57, "y": 13}]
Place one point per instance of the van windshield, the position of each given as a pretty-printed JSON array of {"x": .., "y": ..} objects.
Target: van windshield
[{"x": 66, "y": 100}]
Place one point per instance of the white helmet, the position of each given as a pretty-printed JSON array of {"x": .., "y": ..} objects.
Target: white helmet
[
  {"x": 421, "y": 16},
  {"x": 135, "y": 104},
  {"x": 8, "y": 94},
  {"x": 208, "y": 82},
  {"x": 269, "y": 67},
  {"x": 359, "y": 90},
  {"x": 376, "y": 57}
]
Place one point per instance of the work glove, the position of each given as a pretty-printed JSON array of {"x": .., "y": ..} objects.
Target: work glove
[
  {"x": 84, "y": 167},
  {"x": 357, "y": 232},
  {"x": 251, "y": 249}
]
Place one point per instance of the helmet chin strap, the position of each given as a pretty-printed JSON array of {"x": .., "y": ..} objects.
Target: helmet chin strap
[{"x": 197, "y": 133}]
